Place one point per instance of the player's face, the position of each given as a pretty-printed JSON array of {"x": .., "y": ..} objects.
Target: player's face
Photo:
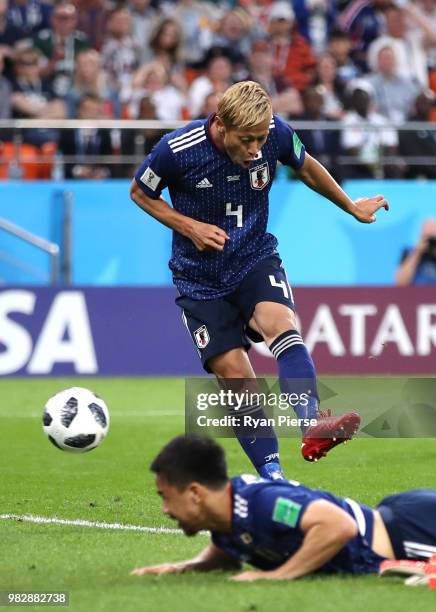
[
  {"x": 184, "y": 506},
  {"x": 243, "y": 144}
]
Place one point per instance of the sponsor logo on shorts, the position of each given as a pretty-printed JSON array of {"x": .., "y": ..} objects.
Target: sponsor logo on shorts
[
  {"x": 150, "y": 179},
  {"x": 202, "y": 337},
  {"x": 259, "y": 176}
]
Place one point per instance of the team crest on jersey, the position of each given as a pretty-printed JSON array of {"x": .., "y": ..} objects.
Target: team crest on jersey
[
  {"x": 259, "y": 176},
  {"x": 202, "y": 337}
]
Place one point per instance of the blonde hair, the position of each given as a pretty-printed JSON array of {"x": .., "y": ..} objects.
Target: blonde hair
[{"x": 244, "y": 105}]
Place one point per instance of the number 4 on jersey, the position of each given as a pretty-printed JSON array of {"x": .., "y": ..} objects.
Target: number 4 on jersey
[
  {"x": 236, "y": 213},
  {"x": 284, "y": 286}
]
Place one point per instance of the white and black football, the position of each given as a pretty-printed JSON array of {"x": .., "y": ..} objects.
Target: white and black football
[{"x": 76, "y": 420}]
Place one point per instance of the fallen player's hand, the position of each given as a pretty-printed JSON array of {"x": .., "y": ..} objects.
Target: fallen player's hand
[
  {"x": 365, "y": 208},
  {"x": 251, "y": 576},
  {"x": 158, "y": 570},
  {"x": 206, "y": 236}
]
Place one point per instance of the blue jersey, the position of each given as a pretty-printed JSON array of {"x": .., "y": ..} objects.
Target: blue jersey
[
  {"x": 206, "y": 185},
  {"x": 266, "y": 517}
]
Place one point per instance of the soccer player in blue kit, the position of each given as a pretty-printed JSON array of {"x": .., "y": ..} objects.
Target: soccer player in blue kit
[
  {"x": 283, "y": 528},
  {"x": 225, "y": 264}
]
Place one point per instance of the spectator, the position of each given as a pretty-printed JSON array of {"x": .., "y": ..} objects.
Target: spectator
[
  {"x": 286, "y": 100},
  {"x": 91, "y": 20},
  {"x": 365, "y": 136},
  {"x": 315, "y": 19},
  {"x": 33, "y": 98},
  {"x": 166, "y": 43},
  {"x": 89, "y": 77},
  {"x": 86, "y": 142},
  {"x": 5, "y": 93},
  {"x": 60, "y": 46},
  {"x": 407, "y": 45},
  {"x": 29, "y": 16},
  {"x": 140, "y": 142},
  {"x": 323, "y": 144},
  {"x": 153, "y": 80},
  {"x": 144, "y": 18},
  {"x": 393, "y": 94},
  {"x": 120, "y": 53},
  {"x": 420, "y": 143},
  {"x": 422, "y": 25},
  {"x": 418, "y": 265},
  {"x": 428, "y": 8},
  {"x": 364, "y": 21},
  {"x": 330, "y": 86},
  {"x": 9, "y": 35},
  {"x": 258, "y": 11},
  {"x": 166, "y": 46},
  {"x": 198, "y": 21},
  {"x": 294, "y": 59},
  {"x": 339, "y": 47},
  {"x": 218, "y": 77},
  {"x": 210, "y": 105},
  {"x": 236, "y": 32}
]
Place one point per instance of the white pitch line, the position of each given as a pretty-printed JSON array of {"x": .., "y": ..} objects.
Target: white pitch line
[
  {"x": 82, "y": 523},
  {"x": 128, "y": 414}
]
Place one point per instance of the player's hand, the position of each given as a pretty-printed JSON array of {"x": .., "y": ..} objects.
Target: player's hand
[
  {"x": 253, "y": 575},
  {"x": 159, "y": 570},
  {"x": 365, "y": 208},
  {"x": 206, "y": 236}
]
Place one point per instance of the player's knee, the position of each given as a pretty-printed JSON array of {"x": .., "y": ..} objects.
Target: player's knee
[
  {"x": 231, "y": 371},
  {"x": 272, "y": 320},
  {"x": 274, "y": 328},
  {"x": 231, "y": 366}
]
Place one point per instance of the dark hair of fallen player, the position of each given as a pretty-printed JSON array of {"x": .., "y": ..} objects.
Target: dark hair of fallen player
[{"x": 192, "y": 458}]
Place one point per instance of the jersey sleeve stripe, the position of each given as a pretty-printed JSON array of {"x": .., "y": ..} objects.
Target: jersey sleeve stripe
[
  {"x": 183, "y": 136},
  {"x": 186, "y": 140},
  {"x": 189, "y": 144}
]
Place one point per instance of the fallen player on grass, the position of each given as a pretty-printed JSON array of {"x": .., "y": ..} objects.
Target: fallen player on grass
[{"x": 282, "y": 528}]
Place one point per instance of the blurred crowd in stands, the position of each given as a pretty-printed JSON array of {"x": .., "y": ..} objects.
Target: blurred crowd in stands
[{"x": 357, "y": 62}]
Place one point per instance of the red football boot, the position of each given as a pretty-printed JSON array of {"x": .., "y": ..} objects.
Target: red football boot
[{"x": 330, "y": 431}]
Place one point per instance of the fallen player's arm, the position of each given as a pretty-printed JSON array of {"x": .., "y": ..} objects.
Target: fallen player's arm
[
  {"x": 203, "y": 235},
  {"x": 315, "y": 176},
  {"x": 327, "y": 529},
  {"x": 211, "y": 558}
]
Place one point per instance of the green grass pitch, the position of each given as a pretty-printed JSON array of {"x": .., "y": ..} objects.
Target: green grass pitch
[{"x": 112, "y": 484}]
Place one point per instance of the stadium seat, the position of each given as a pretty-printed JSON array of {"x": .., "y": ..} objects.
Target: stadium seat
[{"x": 34, "y": 163}]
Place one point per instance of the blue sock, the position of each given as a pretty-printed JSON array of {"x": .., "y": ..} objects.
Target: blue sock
[
  {"x": 297, "y": 373},
  {"x": 260, "y": 444}
]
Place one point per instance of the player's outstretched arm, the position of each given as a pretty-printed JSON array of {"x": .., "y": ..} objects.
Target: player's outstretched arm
[
  {"x": 326, "y": 529},
  {"x": 211, "y": 558},
  {"x": 315, "y": 176},
  {"x": 204, "y": 235}
]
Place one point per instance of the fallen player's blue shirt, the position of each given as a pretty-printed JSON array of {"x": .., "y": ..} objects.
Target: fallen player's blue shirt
[{"x": 266, "y": 517}]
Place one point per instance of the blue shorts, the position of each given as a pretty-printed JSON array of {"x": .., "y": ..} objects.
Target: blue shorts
[
  {"x": 410, "y": 520},
  {"x": 217, "y": 326}
]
